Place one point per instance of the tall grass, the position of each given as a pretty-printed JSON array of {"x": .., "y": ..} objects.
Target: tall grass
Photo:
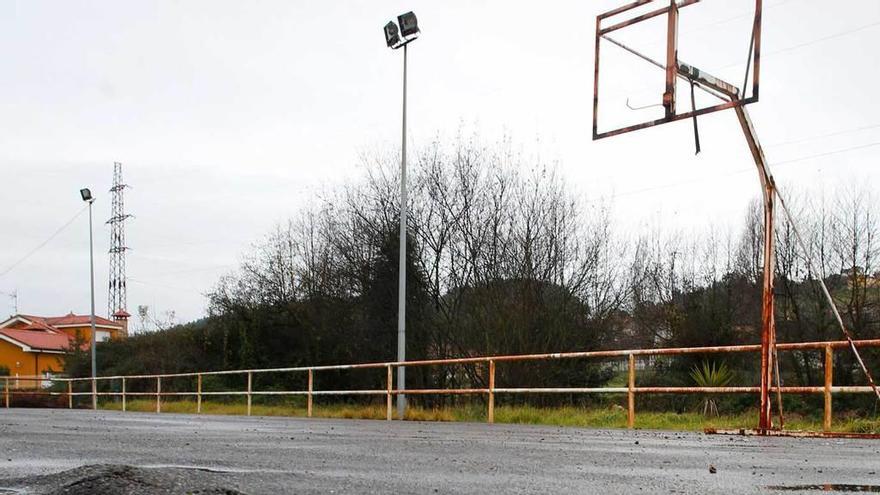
[
  {"x": 343, "y": 411},
  {"x": 614, "y": 417}
]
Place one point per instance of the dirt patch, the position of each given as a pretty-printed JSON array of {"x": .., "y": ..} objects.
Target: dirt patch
[{"x": 121, "y": 479}]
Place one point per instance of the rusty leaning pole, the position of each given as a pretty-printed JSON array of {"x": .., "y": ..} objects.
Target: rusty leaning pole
[{"x": 768, "y": 320}]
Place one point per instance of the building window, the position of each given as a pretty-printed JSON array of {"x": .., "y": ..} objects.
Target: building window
[{"x": 102, "y": 335}]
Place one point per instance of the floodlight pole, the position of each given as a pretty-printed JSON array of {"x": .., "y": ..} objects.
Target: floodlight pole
[
  {"x": 92, "y": 314},
  {"x": 396, "y": 38},
  {"x": 401, "y": 292}
]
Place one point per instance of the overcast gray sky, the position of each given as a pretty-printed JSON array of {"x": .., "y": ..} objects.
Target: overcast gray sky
[{"x": 229, "y": 116}]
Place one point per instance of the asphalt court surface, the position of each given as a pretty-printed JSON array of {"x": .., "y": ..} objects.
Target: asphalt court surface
[{"x": 82, "y": 451}]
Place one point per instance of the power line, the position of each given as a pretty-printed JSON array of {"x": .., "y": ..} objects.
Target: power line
[
  {"x": 175, "y": 260},
  {"x": 829, "y": 153},
  {"x": 822, "y": 136},
  {"x": 801, "y": 45},
  {"x": 826, "y": 38},
  {"x": 743, "y": 170},
  {"x": 162, "y": 286},
  {"x": 646, "y": 88},
  {"x": 746, "y": 14},
  {"x": 194, "y": 270},
  {"x": 636, "y": 192},
  {"x": 177, "y": 243},
  {"x": 42, "y": 244}
]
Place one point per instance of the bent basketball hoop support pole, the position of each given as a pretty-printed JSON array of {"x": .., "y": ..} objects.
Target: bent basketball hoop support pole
[
  {"x": 768, "y": 321},
  {"x": 768, "y": 191}
]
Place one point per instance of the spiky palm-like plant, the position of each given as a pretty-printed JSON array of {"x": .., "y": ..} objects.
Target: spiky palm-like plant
[{"x": 713, "y": 375}]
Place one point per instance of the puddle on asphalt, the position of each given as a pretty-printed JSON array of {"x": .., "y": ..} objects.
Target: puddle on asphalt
[
  {"x": 209, "y": 469},
  {"x": 827, "y": 487},
  {"x": 206, "y": 469}
]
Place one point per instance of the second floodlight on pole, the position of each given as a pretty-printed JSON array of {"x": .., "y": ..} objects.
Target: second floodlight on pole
[
  {"x": 392, "y": 34},
  {"x": 405, "y": 30},
  {"x": 409, "y": 25}
]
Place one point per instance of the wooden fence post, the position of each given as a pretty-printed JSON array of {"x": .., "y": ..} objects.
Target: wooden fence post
[
  {"x": 631, "y": 394},
  {"x": 6, "y": 393},
  {"x": 491, "y": 391},
  {"x": 199, "y": 396},
  {"x": 158, "y": 394},
  {"x": 69, "y": 394},
  {"x": 829, "y": 370},
  {"x": 250, "y": 388},
  {"x": 309, "y": 407},
  {"x": 123, "y": 394},
  {"x": 388, "y": 382},
  {"x": 94, "y": 393}
]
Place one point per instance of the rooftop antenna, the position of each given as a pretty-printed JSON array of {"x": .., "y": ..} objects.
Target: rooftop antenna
[
  {"x": 14, "y": 296},
  {"x": 116, "y": 300}
]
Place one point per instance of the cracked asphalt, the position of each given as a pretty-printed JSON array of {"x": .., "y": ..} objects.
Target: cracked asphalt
[{"x": 54, "y": 451}]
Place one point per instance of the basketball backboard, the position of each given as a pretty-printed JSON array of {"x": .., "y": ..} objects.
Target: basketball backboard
[{"x": 675, "y": 80}]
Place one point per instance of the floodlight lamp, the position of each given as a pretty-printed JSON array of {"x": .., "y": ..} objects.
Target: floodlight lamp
[
  {"x": 391, "y": 34},
  {"x": 86, "y": 194},
  {"x": 409, "y": 25}
]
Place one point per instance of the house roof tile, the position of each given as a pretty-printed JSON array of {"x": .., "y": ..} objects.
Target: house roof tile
[
  {"x": 39, "y": 339},
  {"x": 72, "y": 319}
]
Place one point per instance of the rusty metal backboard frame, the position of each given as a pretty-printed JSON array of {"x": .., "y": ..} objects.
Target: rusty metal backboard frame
[{"x": 672, "y": 67}]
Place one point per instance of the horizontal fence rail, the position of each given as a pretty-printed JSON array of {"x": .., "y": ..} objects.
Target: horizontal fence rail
[{"x": 13, "y": 385}]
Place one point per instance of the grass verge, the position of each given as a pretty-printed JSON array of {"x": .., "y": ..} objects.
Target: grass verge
[{"x": 552, "y": 416}]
